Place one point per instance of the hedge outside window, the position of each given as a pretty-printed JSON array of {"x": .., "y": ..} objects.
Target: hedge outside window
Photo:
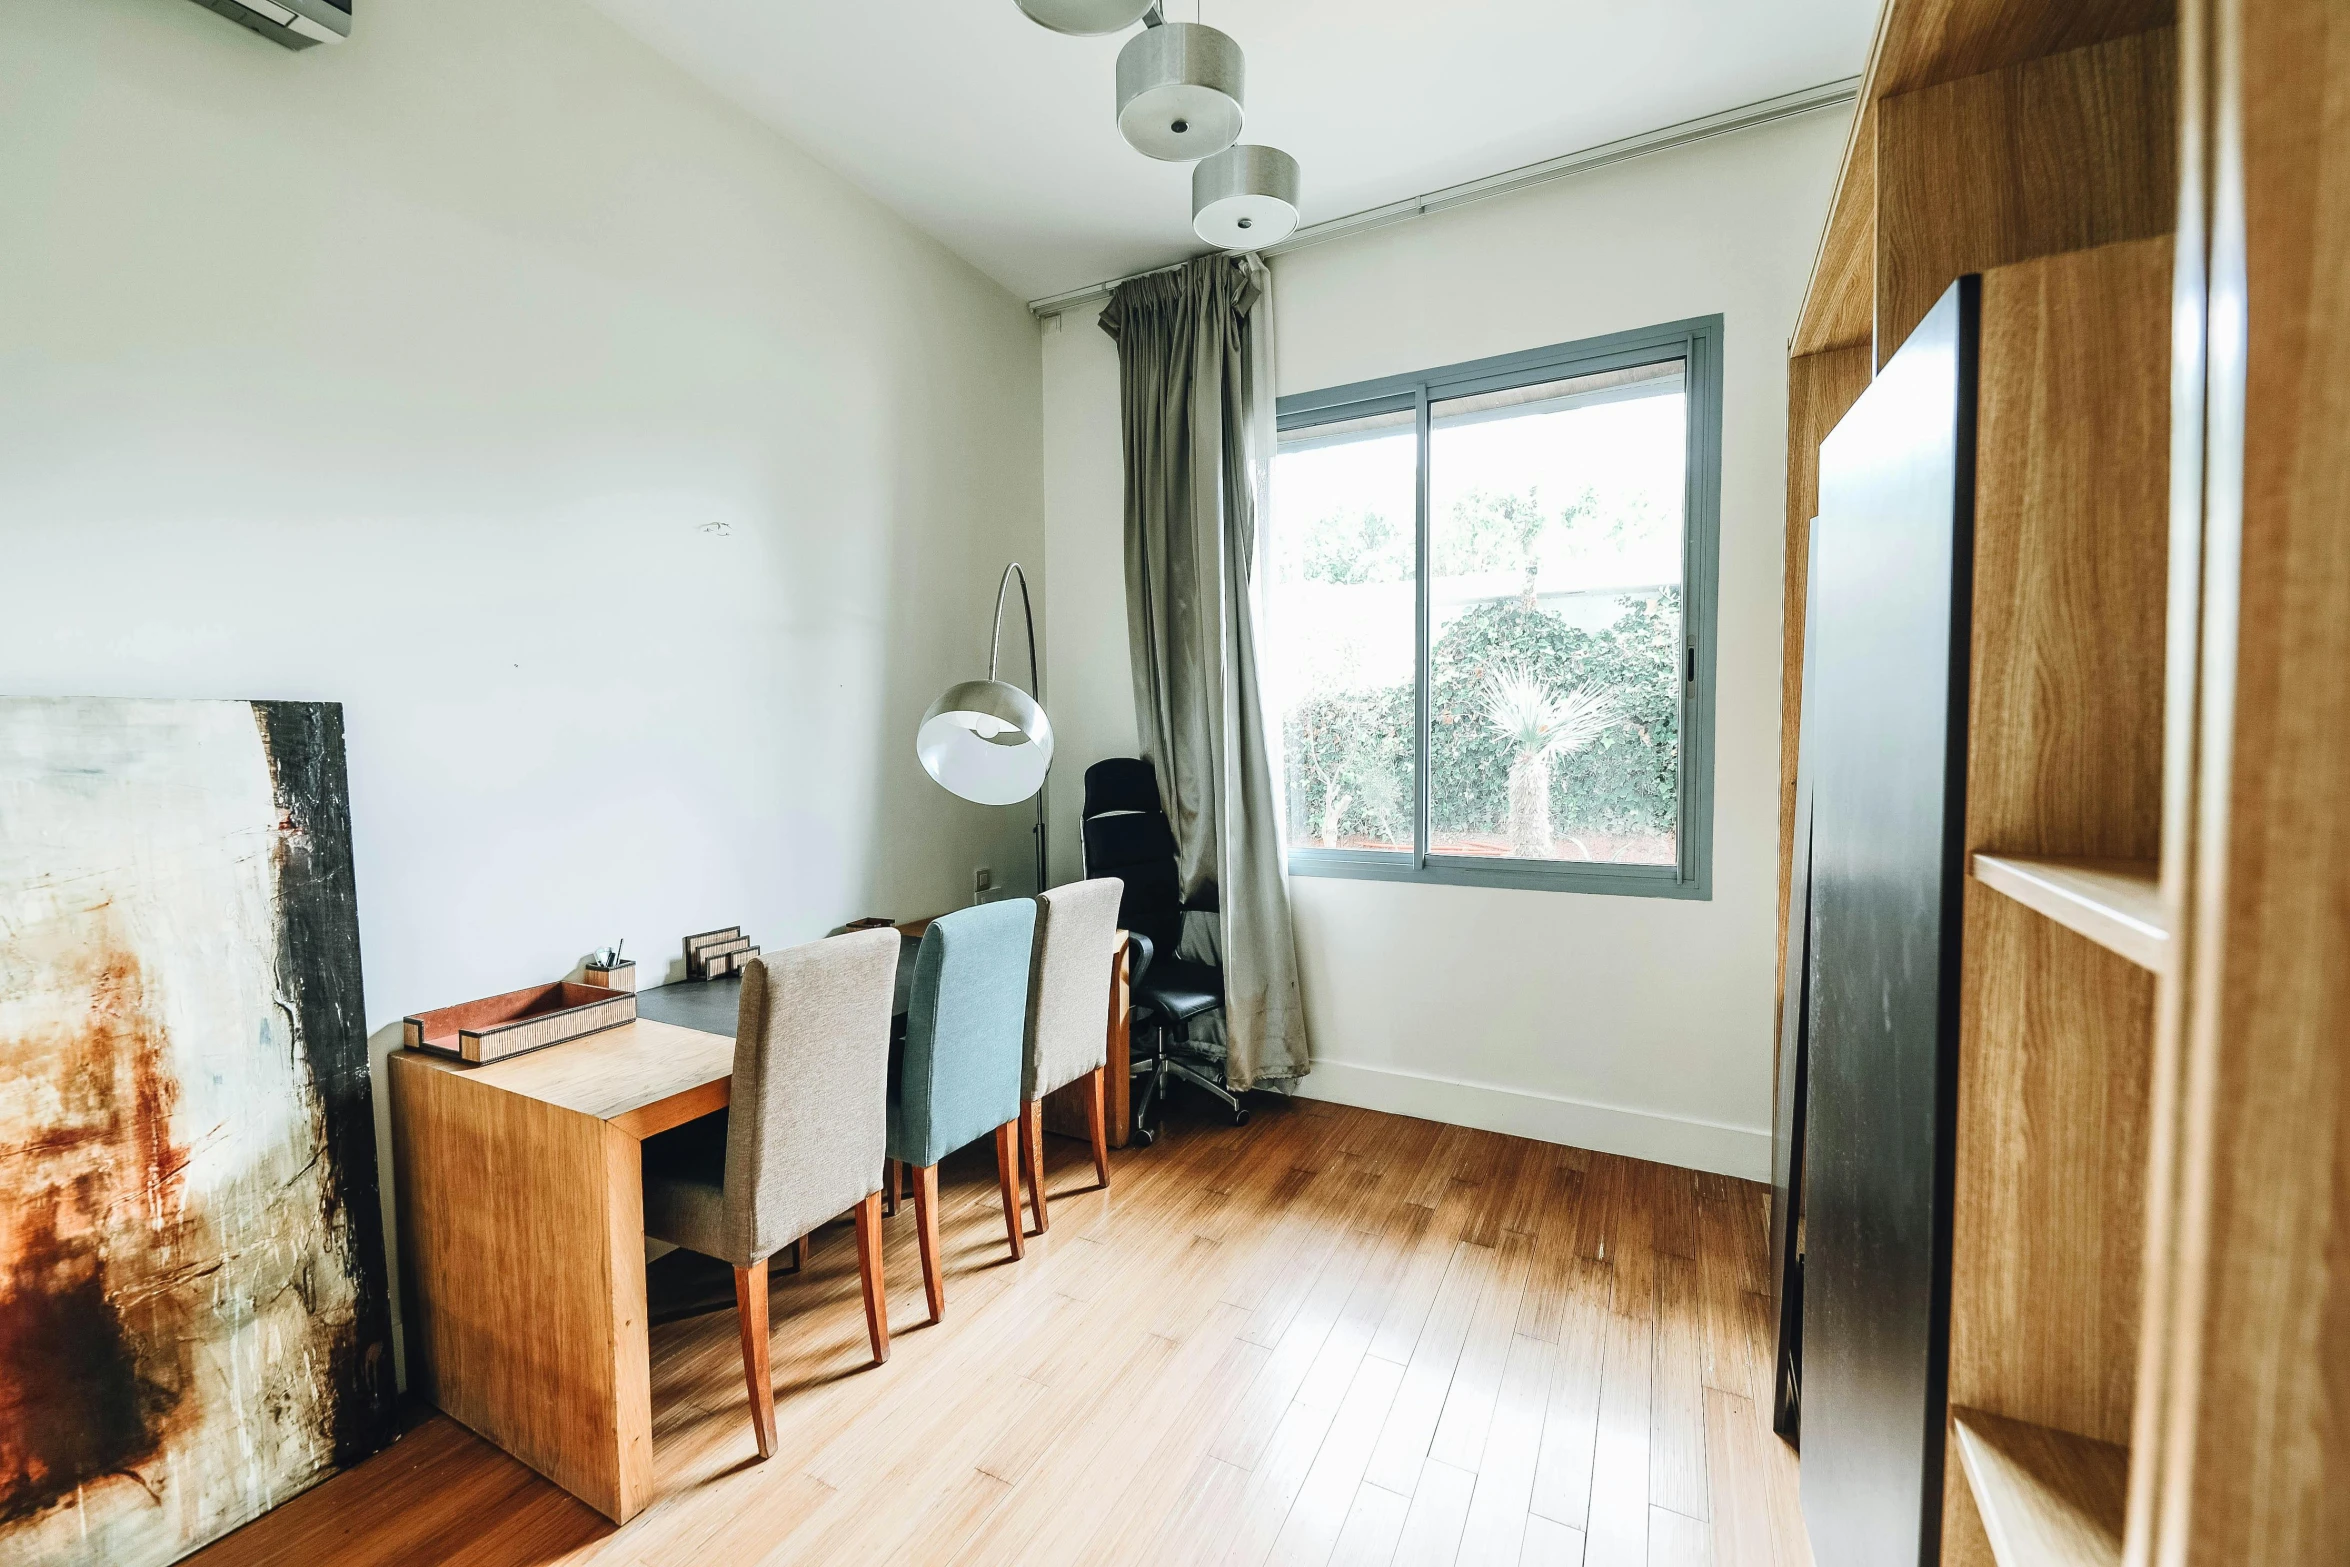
[{"x": 1490, "y": 617}]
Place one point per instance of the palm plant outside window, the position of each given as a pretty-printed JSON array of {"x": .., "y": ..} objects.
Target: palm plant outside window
[{"x": 1490, "y": 618}]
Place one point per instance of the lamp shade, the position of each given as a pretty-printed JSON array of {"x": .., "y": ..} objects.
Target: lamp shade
[
  {"x": 1245, "y": 198},
  {"x": 1179, "y": 91},
  {"x": 1086, "y": 17},
  {"x": 986, "y": 741}
]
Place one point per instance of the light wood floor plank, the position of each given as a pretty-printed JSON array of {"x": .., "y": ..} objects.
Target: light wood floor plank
[
  {"x": 1496, "y": 1527},
  {"x": 1676, "y": 1421},
  {"x": 1439, "y": 1512},
  {"x": 1550, "y": 1545},
  {"x": 1617, "y": 1535},
  {"x": 1677, "y": 1541},
  {"x": 1280, "y": 1343},
  {"x": 1311, "y": 1531},
  {"x": 1373, "y": 1527}
]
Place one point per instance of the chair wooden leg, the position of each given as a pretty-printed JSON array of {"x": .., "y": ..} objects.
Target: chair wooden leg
[
  {"x": 934, "y": 1284},
  {"x": 869, "y": 1271},
  {"x": 1032, "y": 1159},
  {"x": 799, "y": 1254},
  {"x": 1097, "y": 1121},
  {"x": 1007, "y": 1175},
  {"x": 750, "y": 1312},
  {"x": 889, "y": 1188}
]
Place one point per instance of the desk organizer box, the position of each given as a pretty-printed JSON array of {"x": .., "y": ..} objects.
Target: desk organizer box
[{"x": 521, "y": 1020}]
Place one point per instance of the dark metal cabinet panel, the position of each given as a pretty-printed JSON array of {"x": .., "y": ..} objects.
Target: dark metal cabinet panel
[{"x": 1893, "y": 586}]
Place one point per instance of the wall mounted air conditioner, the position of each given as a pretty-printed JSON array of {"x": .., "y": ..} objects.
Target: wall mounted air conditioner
[{"x": 295, "y": 23}]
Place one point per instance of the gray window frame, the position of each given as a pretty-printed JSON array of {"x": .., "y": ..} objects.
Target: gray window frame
[{"x": 1697, "y": 342}]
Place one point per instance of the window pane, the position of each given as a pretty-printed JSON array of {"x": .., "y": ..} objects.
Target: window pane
[
  {"x": 1555, "y": 532},
  {"x": 1341, "y": 616}
]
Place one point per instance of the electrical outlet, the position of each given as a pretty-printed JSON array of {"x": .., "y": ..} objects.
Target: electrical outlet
[{"x": 982, "y": 883}]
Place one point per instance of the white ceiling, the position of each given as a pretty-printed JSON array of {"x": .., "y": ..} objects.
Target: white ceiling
[{"x": 1001, "y": 138}]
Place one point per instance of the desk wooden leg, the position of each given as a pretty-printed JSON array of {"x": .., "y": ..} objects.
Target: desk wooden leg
[
  {"x": 1007, "y": 1174},
  {"x": 526, "y": 1310},
  {"x": 750, "y": 1313},
  {"x": 1032, "y": 1157},
  {"x": 869, "y": 1273}
]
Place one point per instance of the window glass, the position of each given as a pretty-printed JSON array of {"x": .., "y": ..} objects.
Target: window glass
[
  {"x": 1555, "y": 516},
  {"x": 1341, "y": 619}
]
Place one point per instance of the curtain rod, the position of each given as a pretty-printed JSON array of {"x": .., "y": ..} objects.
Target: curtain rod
[{"x": 1786, "y": 106}]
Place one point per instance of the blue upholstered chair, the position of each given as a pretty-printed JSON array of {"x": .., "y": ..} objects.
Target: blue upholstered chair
[{"x": 966, "y": 1030}]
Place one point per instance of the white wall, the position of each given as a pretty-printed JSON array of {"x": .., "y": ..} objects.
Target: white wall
[
  {"x": 1634, "y": 1025},
  {"x": 633, "y": 481}
]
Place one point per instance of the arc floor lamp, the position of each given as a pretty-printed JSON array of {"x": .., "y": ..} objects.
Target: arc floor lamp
[{"x": 987, "y": 740}]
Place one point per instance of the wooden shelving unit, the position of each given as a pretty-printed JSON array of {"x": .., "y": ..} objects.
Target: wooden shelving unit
[
  {"x": 2047, "y": 1498},
  {"x": 2148, "y": 1328},
  {"x": 2115, "y": 903}
]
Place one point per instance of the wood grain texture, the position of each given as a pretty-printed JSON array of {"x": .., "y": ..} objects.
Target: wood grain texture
[
  {"x": 2256, "y": 1443},
  {"x": 1821, "y": 388},
  {"x": 750, "y": 1311},
  {"x": 645, "y": 1075},
  {"x": 1007, "y": 1169},
  {"x": 2056, "y": 1036},
  {"x": 2046, "y": 1498},
  {"x": 526, "y": 1306},
  {"x": 1032, "y": 1164},
  {"x": 2066, "y": 706},
  {"x": 2071, "y": 555},
  {"x": 2058, "y": 154},
  {"x": 1919, "y": 43},
  {"x": 2118, "y": 904},
  {"x": 1200, "y": 1367}
]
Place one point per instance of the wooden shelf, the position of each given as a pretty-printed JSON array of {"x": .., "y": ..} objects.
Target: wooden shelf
[
  {"x": 2047, "y": 1498},
  {"x": 2115, "y": 903}
]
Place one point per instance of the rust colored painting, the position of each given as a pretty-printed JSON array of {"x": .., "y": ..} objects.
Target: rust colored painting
[{"x": 194, "y": 1321}]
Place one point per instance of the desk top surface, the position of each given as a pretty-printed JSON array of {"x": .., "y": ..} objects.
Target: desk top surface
[
  {"x": 609, "y": 1075},
  {"x": 682, "y": 1043}
]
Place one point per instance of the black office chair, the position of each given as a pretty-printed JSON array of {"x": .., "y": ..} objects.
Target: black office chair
[{"x": 1127, "y": 836}]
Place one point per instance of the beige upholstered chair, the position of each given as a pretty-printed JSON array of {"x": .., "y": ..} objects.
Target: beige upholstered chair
[
  {"x": 801, "y": 1139},
  {"x": 1068, "y": 1018}
]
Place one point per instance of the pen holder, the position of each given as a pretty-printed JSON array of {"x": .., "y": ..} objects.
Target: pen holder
[{"x": 614, "y": 976}]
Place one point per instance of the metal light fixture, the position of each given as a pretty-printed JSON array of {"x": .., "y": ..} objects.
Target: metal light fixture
[
  {"x": 1179, "y": 91},
  {"x": 1086, "y": 17},
  {"x": 1245, "y": 198},
  {"x": 989, "y": 741}
]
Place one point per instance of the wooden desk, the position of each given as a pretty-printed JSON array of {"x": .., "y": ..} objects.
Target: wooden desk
[
  {"x": 522, "y": 1217},
  {"x": 521, "y": 1194}
]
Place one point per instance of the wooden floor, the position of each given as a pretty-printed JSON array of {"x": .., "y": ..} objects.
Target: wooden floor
[{"x": 1332, "y": 1336}]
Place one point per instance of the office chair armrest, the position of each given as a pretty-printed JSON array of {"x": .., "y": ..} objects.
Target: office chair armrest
[{"x": 1139, "y": 952}]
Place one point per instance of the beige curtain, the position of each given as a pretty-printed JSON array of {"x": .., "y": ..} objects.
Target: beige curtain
[{"x": 1196, "y": 406}]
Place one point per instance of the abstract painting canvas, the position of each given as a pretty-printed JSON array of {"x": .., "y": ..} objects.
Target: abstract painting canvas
[{"x": 194, "y": 1320}]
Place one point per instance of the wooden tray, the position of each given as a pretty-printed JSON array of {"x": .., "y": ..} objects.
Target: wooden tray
[{"x": 521, "y": 1020}]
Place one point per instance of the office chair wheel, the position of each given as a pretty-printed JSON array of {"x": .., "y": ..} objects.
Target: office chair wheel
[
  {"x": 1240, "y": 1116},
  {"x": 1143, "y": 1137}
]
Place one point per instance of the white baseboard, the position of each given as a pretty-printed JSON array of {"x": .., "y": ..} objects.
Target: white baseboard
[{"x": 1741, "y": 1151}]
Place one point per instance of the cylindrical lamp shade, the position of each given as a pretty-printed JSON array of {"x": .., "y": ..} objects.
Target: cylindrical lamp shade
[
  {"x": 1245, "y": 198},
  {"x": 1086, "y": 17},
  {"x": 1179, "y": 91},
  {"x": 986, "y": 741}
]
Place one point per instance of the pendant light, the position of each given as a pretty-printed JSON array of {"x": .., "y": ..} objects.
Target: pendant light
[
  {"x": 1179, "y": 91},
  {"x": 1245, "y": 198},
  {"x": 1085, "y": 18}
]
